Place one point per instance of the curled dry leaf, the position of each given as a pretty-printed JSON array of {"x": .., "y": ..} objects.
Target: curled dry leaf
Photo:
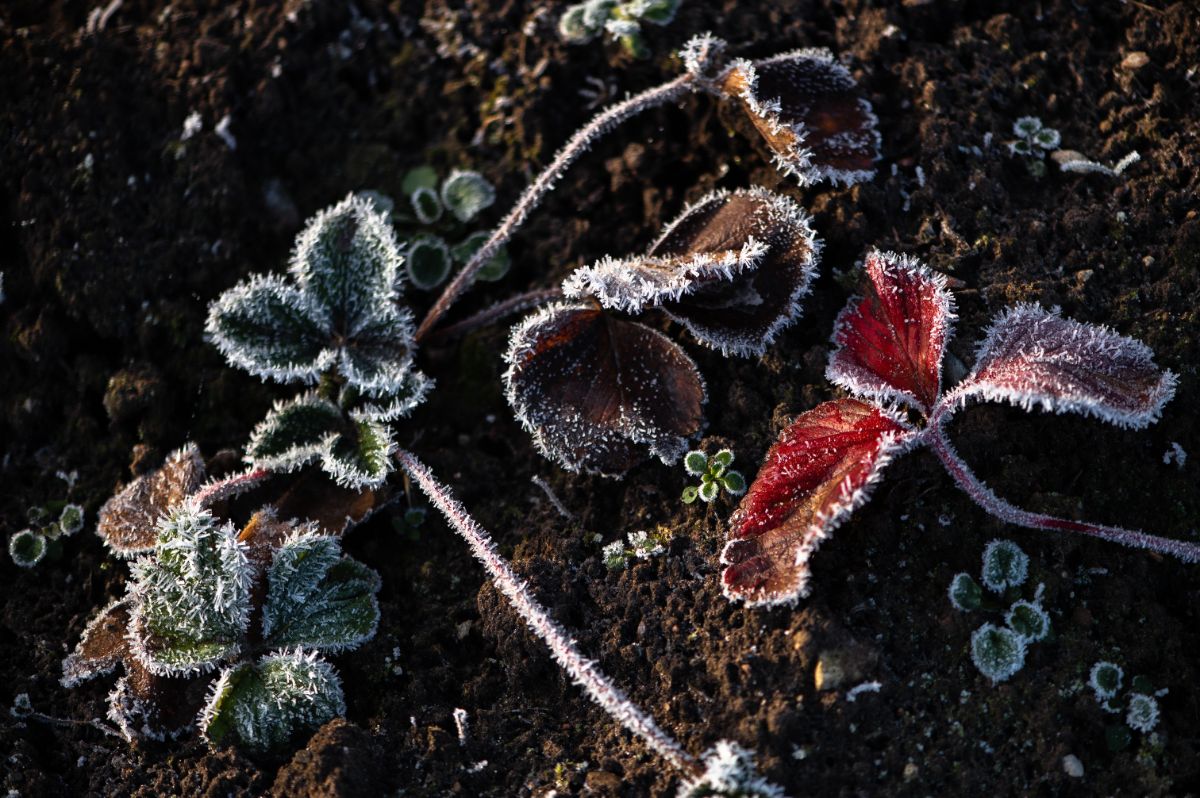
[
  {"x": 732, "y": 269},
  {"x": 889, "y": 342},
  {"x": 1032, "y": 357},
  {"x": 807, "y": 108},
  {"x": 821, "y": 468},
  {"x": 600, "y": 394},
  {"x": 128, "y": 521}
]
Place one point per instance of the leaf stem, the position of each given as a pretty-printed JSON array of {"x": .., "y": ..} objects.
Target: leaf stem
[
  {"x": 584, "y": 671},
  {"x": 935, "y": 437},
  {"x": 496, "y": 312},
  {"x": 579, "y": 143}
]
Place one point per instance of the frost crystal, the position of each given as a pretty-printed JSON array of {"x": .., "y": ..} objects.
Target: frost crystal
[
  {"x": 997, "y": 652},
  {"x": 729, "y": 771}
]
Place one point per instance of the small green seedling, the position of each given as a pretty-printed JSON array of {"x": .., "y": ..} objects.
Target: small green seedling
[
  {"x": 1033, "y": 141},
  {"x": 714, "y": 473},
  {"x": 436, "y": 210},
  {"x": 583, "y": 22},
  {"x": 642, "y": 545},
  {"x": 999, "y": 651},
  {"x": 30, "y": 546},
  {"x": 1139, "y": 705},
  {"x": 409, "y": 524}
]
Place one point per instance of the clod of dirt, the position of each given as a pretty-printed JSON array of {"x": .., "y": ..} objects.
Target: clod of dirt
[{"x": 340, "y": 759}]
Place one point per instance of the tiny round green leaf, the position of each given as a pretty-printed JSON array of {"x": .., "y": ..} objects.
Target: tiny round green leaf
[
  {"x": 467, "y": 193},
  {"x": 708, "y": 491},
  {"x": 965, "y": 593},
  {"x": 695, "y": 463},
  {"x": 424, "y": 176},
  {"x": 428, "y": 262},
  {"x": 734, "y": 482},
  {"x": 426, "y": 205},
  {"x": 689, "y": 494},
  {"x": 27, "y": 548}
]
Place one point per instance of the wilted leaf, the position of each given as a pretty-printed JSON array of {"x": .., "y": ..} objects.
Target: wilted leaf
[
  {"x": 891, "y": 340},
  {"x": 262, "y": 705},
  {"x": 145, "y": 706},
  {"x": 128, "y": 521},
  {"x": 820, "y": 469},
  {"x": 732, "y": 269},
  {"x": 600, "y": 394},
  {"x": 1033, "y": 357},
  {"x": 335, "y": 509},
  {"x": 807, "y": 108},
  {"x": 101, "y": 648}
]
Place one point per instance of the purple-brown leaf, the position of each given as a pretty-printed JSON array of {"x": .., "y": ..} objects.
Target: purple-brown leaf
[
  {"x": 820, "y": 469},
  {"x": 600, "y": 394},
  {"x": 101, "y": 648},
  {"x": 891, "y": 340},
  {"x": 128, "y": 521},
  {"x": 1032, "y": 357},
  {"x": 807, "y": 108}
]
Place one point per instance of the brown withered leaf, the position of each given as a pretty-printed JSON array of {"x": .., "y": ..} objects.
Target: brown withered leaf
[
  {"x": 101, "y": 648},
  {"x": 128, "y": 521}
]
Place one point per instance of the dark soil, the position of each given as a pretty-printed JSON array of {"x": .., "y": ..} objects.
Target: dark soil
[{"x": 116, "y": 234}]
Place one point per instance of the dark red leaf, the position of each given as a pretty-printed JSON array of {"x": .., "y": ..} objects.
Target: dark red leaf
[
  {"x": 600, "y": 394},
  {"x": 820, "y": 469},
  {"x": 890, "y": 341},
  {"x": 807, "y": 108},
  {"x": 128, "y": 521},
  {"x": 732, "y": 269},
  {"x": 1033, "y": 357}
]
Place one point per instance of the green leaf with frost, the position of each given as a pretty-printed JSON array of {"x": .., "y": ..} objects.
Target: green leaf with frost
[
  {"x": 377, "y": 361},
  {"x": 428, "y": 262},
  {"x": 261, "y": 706},
  {"x": 965, "y": 593},
  {"x": 426, "y": 205},
  {"x": 734, "y": 483},
  {"x": 695, "y": 463},
  {"x": 347, "y": 260},
  {"x": 690, "y": 494},
  {"x": 657, "y": 12},
  {"x": 708, "y": 491},
  {"x": 317, "y": 598},
  {"x": 423, "y": 176},
  {"x": 496, "y": 267},
  {"x": 412, "y": 392},
  {"x": 466, "y": 193},
  {"x": 360, "y": 458},
  {"x": 191, "y": 597},
  {"x": 571, "y": 26},
  {"x": 294, "y": 432},
  {"x": 271, "y": 330},
  {"x": 27, "y": 548}
]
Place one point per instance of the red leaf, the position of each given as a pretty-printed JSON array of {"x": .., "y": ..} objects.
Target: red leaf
[
  {"x": 807, "y": 108},
  {"x": 820, "y": 469},
  {"x": 1034, "y": 357},
  {"x": 128, "y": 522},
  {"x": 890, "y": 341},
  {"x": 600, "y": 394},
  {"x": 732, "y": 269}
]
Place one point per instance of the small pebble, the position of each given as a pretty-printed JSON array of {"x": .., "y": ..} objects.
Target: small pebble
[{"x": 1072, "y": 766}]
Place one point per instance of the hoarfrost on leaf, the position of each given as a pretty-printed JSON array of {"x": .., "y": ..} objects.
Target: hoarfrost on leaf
[
  {"x": 1004, "y": 565},
  {"x": 1106, "y": 679},
  {"x": 997, "y": 652},
  {"x": 729, "y": 771}
]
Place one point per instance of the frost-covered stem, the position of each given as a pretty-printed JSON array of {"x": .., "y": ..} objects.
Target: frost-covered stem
[
  {"x": 580, "y": 143},
  {"x": 935, "y": 437},
  {"x": 585, "y": 673},
  {"x": 231, "y": 485},
  {"x": 490, "y": 315}
]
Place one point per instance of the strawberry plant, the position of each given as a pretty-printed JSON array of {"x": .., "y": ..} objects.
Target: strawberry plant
[
  {"x": 600, "y": 393},
  {"x": 890, "y": 345}
]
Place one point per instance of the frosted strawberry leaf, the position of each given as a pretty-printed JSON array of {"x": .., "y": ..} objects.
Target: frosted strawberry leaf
[
  {"x": 295, "y": 432},
  {"x": 360, "y": 457},
  {"x": 316, "y": 597},
  {"x": 127, "y": 522},
  {"x": 1032, "y": 357},
  {"x": 348, "y": 261},
  {"x": 806, "y": 107},
  {"x": 732, "y": 269},
  {"x": 820, "y": 469},
  {"x": 600, "y": 394},
  {"x": 261, "y": 705},
  {"x": 890, "y": 341}
]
